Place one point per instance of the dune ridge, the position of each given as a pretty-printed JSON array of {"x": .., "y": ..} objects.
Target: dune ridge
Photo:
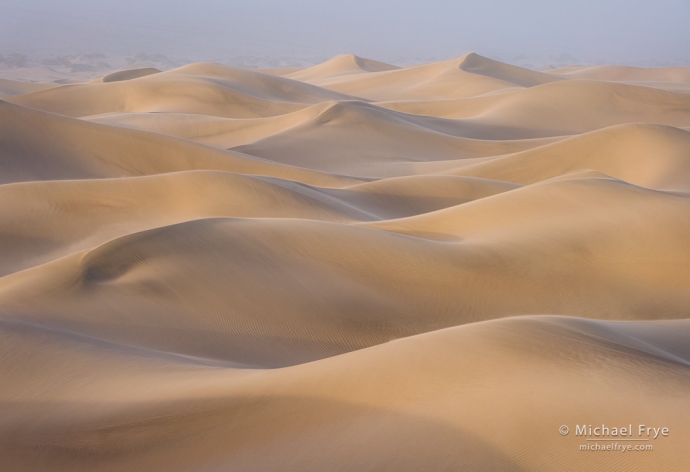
[
  {"x": 625, "y": 73},
  {"x": 350, "y": 266},
  {"x": 344, "y": 64}
]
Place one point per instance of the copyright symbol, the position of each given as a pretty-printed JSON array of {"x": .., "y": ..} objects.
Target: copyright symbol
[{"x": 563, "y": 430}]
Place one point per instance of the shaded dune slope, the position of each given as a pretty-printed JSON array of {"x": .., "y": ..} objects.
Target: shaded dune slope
[{"x": 129, "y": 74}]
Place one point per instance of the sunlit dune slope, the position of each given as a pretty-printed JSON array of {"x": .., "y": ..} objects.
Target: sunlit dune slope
[
  {"x": 158, "y": 411},
  {"x": 651, "y": 156}
]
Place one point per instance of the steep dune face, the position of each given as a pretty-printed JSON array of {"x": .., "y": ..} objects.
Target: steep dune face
[
  {"x": 476, "y": 64},
  {"x": 352, "y": 266}
]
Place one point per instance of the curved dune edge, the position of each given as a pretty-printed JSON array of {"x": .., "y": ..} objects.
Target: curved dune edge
[
  {"x": 450, "y": 383},
  {"x": 351, "y": 266},
  {"x": 288, "y": 290}
]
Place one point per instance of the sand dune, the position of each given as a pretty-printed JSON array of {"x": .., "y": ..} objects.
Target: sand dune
[
  {"x": 11, "y": 88},
  {"x": 207, "y": 89},
  {"x": 370, "y": 141},
  {"x": 351, "y": 266},
  {"x": 284, "y": 137},
  {"x": 625, "y": 73},
  {"x": 450, "y": 384},
  {"x": 468, "y": 76},
  {"x": 279, "y": 71},
  {"x": 635, "y": 259},
  {"x": 647, "y": 155},
  {"x": 344, "y": 64},
  {"x": 104, "y": 151},
  {"x": 158, "y": 93},
  {"x": 40, "y": 225},
  {"x": 556, "y": 109}
]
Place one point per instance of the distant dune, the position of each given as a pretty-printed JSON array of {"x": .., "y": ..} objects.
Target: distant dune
[
  {"x": 129, "y": 74},
  {"x": 468, "y": 76},
  {"x": 345, "y": 64},
  {"x": 351, "y": 266},
  {"x": 625, "y": 73}
]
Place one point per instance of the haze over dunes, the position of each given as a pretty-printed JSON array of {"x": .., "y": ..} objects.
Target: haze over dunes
[{"x": 352, "y": 266}]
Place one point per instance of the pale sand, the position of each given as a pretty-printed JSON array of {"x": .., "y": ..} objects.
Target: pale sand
[{"x": 352, "y": 266}]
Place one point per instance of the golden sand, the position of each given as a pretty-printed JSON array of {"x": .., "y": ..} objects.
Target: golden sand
[{"x": 352, "y": 266}]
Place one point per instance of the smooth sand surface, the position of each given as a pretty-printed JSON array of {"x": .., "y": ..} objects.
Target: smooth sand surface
[
  {"x": 352, "y": 266},
  {"x": 11, "y": 88}
]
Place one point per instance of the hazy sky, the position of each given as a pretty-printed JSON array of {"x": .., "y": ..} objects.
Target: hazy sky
[{"x": 606, "y": 30}]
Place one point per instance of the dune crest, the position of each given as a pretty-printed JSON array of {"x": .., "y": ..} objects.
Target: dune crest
[
  {"x": 344, "y": 64},
  {"x": 476, "y": 64}
]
